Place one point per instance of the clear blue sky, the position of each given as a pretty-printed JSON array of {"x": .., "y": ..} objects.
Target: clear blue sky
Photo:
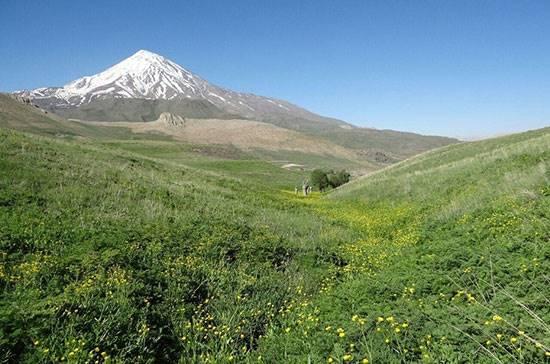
[{"x": 459, "y": 68}]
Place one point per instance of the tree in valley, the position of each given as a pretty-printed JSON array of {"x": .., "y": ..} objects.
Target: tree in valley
[
  {"x": 323, "y": 179},
  {"x": 336, "y": 179},
  {"x": 319, "y": 179}
]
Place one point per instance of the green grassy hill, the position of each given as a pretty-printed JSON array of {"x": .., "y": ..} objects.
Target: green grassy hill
[
  {"x": 456, "y": 252},
  {"x": 28, "y": 118},
  {"x": 146, "y": 251}
]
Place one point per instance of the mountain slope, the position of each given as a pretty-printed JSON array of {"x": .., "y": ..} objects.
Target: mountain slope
[
  {"x": 385, "y": 146},
  {"x": 247, "y": 138},
  {"x": 450, "y": 262},
  {"x": 26, "y": 117},
  {"x": 209, "y": 125},
  {"x": 474, "y": 163},
  {"x": 123, "y": 109},
  {"x": 246, "y": 135},
  {"x": 23, "y": 116}
]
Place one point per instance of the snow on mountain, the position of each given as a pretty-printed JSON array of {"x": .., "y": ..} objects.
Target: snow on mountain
[
  {"x": 143, "y": 75},
  {"x": 146, "y": 75}
]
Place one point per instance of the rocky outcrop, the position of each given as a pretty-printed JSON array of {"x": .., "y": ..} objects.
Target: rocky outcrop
[
  {"x": 377, "y": 156},
  {"x": 21, "y": 99},
  {"x": 171, "y": 120}
]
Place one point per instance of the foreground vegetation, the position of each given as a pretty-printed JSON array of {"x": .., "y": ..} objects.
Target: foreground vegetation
[
  {"x": 452, "y": 264},
  {"x": 122, "y": 252}
]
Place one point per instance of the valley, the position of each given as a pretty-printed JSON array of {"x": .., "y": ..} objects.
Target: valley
[
  {"x": 148, "y": 216},
  {"x": 159, "y": 250}
]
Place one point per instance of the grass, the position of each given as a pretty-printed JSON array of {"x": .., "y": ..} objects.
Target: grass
[
  {"x": 99, "y": 243},
  {"x": 148, "y": 251},
  {"x": 220, "y": 159},
  {"x": 452, "y": 265}
]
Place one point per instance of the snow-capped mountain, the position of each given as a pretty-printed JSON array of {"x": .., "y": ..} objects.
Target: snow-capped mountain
[
  {"x": 149, "y": 76},
  {"x": 143, "y": 75}
]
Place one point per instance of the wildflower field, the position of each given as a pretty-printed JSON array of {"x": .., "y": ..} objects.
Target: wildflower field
[{"x": 138, "y": 252}]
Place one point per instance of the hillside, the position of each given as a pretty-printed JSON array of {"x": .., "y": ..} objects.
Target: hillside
[
  {"x": 255, "y": 140},
  {"x": 246, "y": 135},
  {"x": 464, "y": 275},
  {"x": 145, "y": 251},
  {"x": 16, "y": 115},
  {"x": 246, "y": 139},
  {"x": 123, "y": 251},
  {"x": 32, "y": 119},
  {"x": 141, "y": 110},
  {"x": 386, "y": 146}
]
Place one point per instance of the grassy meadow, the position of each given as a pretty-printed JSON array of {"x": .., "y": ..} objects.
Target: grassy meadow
[{"x": 115, "y": 251}]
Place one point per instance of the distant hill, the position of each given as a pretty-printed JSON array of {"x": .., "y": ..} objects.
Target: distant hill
[
  {"x": 331, "y": 147},
  {"x": 257, "y": 140},
  {"x": 492, "y": 166},
  {"x": 27, "y": 117},
  {"x": 15, "y": 114}
]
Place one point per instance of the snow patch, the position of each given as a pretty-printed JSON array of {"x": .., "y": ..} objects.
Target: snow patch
[{"x": 218, "y": 96}]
